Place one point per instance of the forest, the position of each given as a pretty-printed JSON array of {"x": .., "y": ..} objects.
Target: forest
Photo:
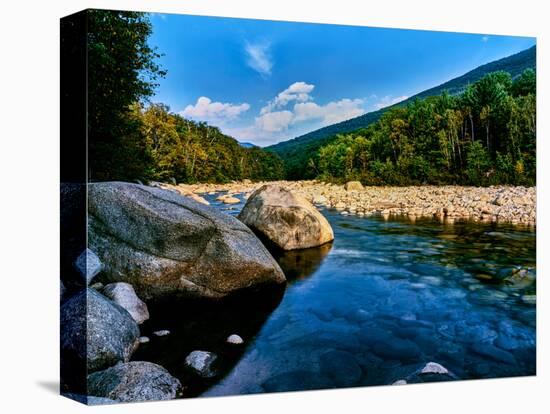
[
  {"x": 131, "y": 137},
  {"x": 484, "y": 136}
]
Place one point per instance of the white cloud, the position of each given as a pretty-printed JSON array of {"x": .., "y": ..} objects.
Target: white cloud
[
  {"x": 258, "y": 57},
  {"x": 298, "y": 91},
  {"x": 331, "y": 113},
  {"x": 206, "y": 110},
  {"x": 388, "y": 100},
  {"x": 274, "y": 121}
]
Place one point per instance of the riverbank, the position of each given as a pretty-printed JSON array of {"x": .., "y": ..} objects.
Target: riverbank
[{"x": 504, "y": 204}]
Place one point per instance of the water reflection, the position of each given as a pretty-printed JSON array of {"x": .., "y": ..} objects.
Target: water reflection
[{"x": 299, "y": 264}]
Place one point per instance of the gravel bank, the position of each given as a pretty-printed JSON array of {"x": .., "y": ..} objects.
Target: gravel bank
[{"x": 508, "y": 204}]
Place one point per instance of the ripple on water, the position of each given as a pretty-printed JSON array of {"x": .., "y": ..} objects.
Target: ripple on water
[{"x": 388, "y": 297}]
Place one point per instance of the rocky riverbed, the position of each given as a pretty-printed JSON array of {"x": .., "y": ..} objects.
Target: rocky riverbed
[
  {"x": 506, "y": 204},
  {"x": 274, "y": 294}
]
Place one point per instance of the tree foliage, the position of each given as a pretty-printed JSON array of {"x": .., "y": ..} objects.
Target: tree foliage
[
  {"x": 190, "y": 151},
  {"x": 130, "y": 138},
  {"x": 486, "y": 135}
]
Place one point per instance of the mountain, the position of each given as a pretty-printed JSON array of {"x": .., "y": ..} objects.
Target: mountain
[
  {"x": 247, "y": 144},
  {"x": 297, "y": 151}
]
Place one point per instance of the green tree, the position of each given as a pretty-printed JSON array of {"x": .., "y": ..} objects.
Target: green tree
[{"x": 122, "y": 71}]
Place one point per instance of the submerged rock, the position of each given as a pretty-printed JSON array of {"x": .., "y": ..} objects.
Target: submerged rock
[
  {"x": 342, "y": 367},
  {"x": 166, "y": 245},
  {"x": 134, "y": 381},
  {"x": 96, "y": 330},
  {"x": 201, "y": 363},
  {"x": 123, "y": 294},
  {"x": 285, "y": 218}
]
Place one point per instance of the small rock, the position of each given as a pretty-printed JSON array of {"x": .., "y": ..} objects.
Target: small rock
[
  {"x": 134, "y": 381},
  {"x": 201, "y": 363},
  {"x": 231, "y": 200},
  {"x": 97, "y": 286},
  {"x": 143, "y": 339},
  {"x": 124, "y": 295},
  {"x": 434, "y": 368},
  {"x": 162, "y": 332},
  {"x": 88, "y": 265},
  {"x": 235, "y": 339},
  {"x": 529, "y": 299},
  {"x": 400, "y": 382}
]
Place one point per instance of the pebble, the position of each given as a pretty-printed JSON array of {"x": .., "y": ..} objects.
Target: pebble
[
  {"x": 162, "y": 332},
  {"x": 516, "y": 205},
  {"x": 434, "y": 368},
  {"x": 143, "y": 339},
  {"x": 201, "y": 362},
  {"x": 234, "y": 339}
]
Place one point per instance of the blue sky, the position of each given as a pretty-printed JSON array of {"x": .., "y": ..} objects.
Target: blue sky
[{"x": 264, "y": 82}]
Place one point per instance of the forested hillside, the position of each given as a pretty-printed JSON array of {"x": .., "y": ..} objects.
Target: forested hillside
[
  {"x": 131, "y": 138},
  {"x": 300, "y": 154},
  {"x": 485, "y": 135}
]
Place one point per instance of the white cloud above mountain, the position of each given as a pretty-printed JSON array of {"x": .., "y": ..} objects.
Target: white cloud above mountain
[
  {"x": 206, "y": 110},
  {"x": 330, "y": 113},
  {"x": 389, "y": 100},
  {"x": 298, "y": 91},
  {"x": 274, "y": 121},
  {"x": 278, "y": 115}
]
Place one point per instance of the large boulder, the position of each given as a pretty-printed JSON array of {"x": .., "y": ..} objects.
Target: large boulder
[
  {"x": 134, "y": 381},
  {"x": 96, "y": 330},
  {"x": 353, "y": 186},
  {"x": 285, "y": 218},
  {"x": 166, "y": 245},
  {"x": 123, "y": 294}
]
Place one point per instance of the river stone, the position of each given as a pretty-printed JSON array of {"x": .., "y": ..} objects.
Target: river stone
[
  {"x": 88, "y": 265},
  {"x": 234, "y": 339},
  {"x": 353, "y": 186},
  {"x": 342, "y": 367},
  {"x": 96, "y": 330},
  {"x": 285, "y": 218},
  {"x": 124, "y": 295},
  {"x": 166, "y": 245},
  {"x": 434, "y": 368},
  {"x": 134, "y": 381},
  {"x": 231, "y": 200},
  {"x": 201, "y": 363}
]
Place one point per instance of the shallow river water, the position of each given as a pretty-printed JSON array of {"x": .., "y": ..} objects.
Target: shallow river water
[{"x": 385, "y": 298}]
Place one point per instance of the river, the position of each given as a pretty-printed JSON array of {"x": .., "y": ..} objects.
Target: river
[{"x": 386, "y": 297}]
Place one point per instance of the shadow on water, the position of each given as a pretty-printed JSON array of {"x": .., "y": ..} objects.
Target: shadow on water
[
  {"x": 300, "y": 264},
  {"x": 205, "y": 325}
]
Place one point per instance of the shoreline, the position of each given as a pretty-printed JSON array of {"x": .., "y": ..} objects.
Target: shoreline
[{"x": 448, "y": 203}]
